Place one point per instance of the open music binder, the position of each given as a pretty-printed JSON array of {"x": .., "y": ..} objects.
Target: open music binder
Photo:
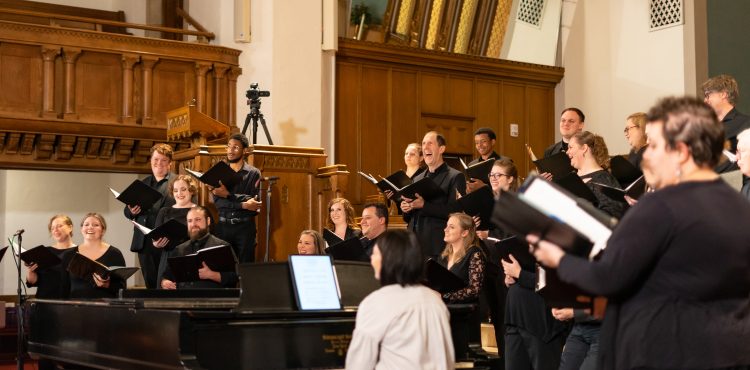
[
  {"x": 558, "y": 165},
  {"x": 520, "y": 251},
  {"x": 440, "y": 279},
  {"x": 478, "y": 203},
  {"x": 41, "y": 256},
  {"x": 348, "y": 250},
  {"x": 575, "y": 185},
  {"x": 393, "y": 182},
  {"x": 174, "y": 230},
  {"x": 634, "y": 190},
  {"x": 624, "y": 171},
  {"x": 220, "y": 258},
  {"x": 479, "y": 171},
  {"x": 220, "y": 172},
  {"x": 425, "y": 187},
  {"x": 138, "y": 194},
  {"x": 82, "y": 267}
]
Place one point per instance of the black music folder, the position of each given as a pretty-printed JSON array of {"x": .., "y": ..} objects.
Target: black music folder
[
  {"x": 634, "y": 190},
  {"x": 40, "y": 255},
  {"x": 348, "y": 250},
  {"x": 478, "y": 203},
  {"x": 576, "y": 187},
  {"x": 2, "y": 253},
  {"x": 523, "y": 214},
  {"x": 558, "y": 165},
  {"x": 82, "y": 267},
  {"x": 559, "y": 294},
  {"x": 185, "y": 268},
  {"x": 174, "y": 230},
  {"x": 393, "y": 182},
  {"x": 624, "y": 171},
  {"x": 520, "y": 251},
  {"x": 479, "y": 171},
  {"x": 440, "y": 279},
  {"x": 220, "y": 172},
  {"x": 425, "y": 187},
  {"x": 138, "y": 194},
  {"x": 331, "y": 238}
]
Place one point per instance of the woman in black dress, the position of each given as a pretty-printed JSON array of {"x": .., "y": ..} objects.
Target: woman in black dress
[
  {"x": 51, "y": 282},
  {"x": 183, "y": 189},
  {"x": 341, "y": 220},
  {"x": 94, "y": 247},
  {"x": 675, "y": 270}
]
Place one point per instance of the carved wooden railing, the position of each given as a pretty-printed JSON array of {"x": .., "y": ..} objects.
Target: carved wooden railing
[{"x": 82, "y": 99}]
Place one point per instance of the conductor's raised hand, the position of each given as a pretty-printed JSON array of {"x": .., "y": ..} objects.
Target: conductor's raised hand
[
  {"x": 205, "y": 273},
  {"x": 547, "y": 253},
  {"x": 134, "y": 210},
  {"x": 221, "y": 191}
]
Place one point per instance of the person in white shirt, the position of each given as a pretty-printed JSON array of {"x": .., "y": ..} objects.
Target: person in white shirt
[{"x": 402, "y": 325}]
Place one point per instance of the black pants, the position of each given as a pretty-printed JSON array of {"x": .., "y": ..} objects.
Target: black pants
[
  {"x": 149, "y": 258},
  {"x": 525, "y": 351},
  {"x": 241, "y": 236},
  {"x": 581, "y": 348}
]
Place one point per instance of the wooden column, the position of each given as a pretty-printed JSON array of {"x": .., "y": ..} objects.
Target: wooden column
[
  {"x": 147, "y": 63},
  {"x": 218, "y": 113},
  {"x": 232, "y": 75},
  {"x": 201, "y": 68},
  {"x": 128, "y": 61},
  {"x": 49, "y": 54},
  {"x": 69, "y": 98}
]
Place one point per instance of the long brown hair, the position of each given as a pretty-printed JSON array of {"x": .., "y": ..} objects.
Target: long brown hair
[
  {"x": 348, "y": 209},
  {"x": 466, "y": 223}
]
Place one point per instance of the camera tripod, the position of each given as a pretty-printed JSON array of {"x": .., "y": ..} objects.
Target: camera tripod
[{"x": 255, "y": 115}]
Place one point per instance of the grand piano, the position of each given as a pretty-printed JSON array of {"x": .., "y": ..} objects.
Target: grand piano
[{"x": 255, "y": 327}]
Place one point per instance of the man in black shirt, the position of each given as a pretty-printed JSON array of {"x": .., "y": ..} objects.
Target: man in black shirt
[
  {"x": 239, "y": 205},
  {"x": 198, "y": 222},
  {"x": 484, "y": 142},
  {"x": 427, "y": 218},
  {"x": 148, "y": 255},
  {"x": 721, "y": 93},
  {"x": 571, "y": 122},
  {"x": 374, "y": 222}
]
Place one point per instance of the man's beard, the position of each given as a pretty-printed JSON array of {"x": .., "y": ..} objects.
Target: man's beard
[
  {"x": 195, "y": 235},
  {"x": 239, "y": 158}
]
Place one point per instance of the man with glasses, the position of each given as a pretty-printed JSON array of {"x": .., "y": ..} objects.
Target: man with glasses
[
  {"x": 721, "y": 93},
  {"x": 239, "y": 205}
]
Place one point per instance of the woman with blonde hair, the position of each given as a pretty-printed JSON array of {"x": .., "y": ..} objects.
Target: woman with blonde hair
[
  {"x": 182, "y": 189},
  {"x": 635, "y": 133},
  {"x": 49, "y": 281},
  {"x": 341, "y": 219},
  {"x": 463, "y": 257}
]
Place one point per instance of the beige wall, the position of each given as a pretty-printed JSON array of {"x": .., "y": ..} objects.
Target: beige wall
[{"x": 614, "y": 66}]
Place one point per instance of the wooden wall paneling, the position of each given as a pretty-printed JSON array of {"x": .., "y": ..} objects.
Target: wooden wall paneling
[
  {"x": 21, "y": 80},
  {"x": 348, "y": 123},
  {"x": 489, "y": 111},
  {"x": 541, "y": 119},
  {"x": 432, "y": 93},
  {"x": 456, "y": 130},
  {"x": 404, "y": 117},
  {"x": 460, "y": 96},
  {"x": 98, "y": 87},
  {"x": 373, "y": 142},
  {"x": 514, "y": 111},
  {"x": 173, "y": 87}
]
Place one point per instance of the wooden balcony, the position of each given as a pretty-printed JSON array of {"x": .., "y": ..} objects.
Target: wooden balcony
[{"x": 82, "y": 99}]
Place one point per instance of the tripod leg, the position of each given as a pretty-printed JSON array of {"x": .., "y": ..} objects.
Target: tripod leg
[
  {"x": 255, "y": 129},
  {"x": 265, "y": 129},
  {"x": 247, "y": 123}
]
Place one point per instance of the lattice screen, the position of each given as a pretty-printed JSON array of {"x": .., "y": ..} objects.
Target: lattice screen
[
  {"x": 530, "y": 11},
  {"x": 665, "y": 13}
]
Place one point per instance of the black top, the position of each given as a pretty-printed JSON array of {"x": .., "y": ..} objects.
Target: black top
[
  {"x": 147, "y": 217},
  {"x": 610, "y": 206},
  {"x": 165, "y": 215},
  {"x": 86, "y": 288},
  {"x": 428, "y": 222},
  {"x": 470, "y": 268},
  {"x": 526, "y": 309},
  {"x": 493, "y": 155},
  {"x": 51, "y": 282},
  {"x": 635, "y": 157},
  {"x": 228, "y": 278},
  {"x": 248, "y": 187},
  {"x": 555, "y": 148},
  {"x": 675, "y": 271},
  {"x": 734, "y": 123}
]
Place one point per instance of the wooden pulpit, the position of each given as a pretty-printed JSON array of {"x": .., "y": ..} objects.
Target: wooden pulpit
[{"x": 188, "y": 123}]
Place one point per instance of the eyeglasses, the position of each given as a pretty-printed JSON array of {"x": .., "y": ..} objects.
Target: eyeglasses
[
  {"x": 234, "y": 148},
  {"x": 627, "y": 129},
  {"x": 496, "y": 176}
]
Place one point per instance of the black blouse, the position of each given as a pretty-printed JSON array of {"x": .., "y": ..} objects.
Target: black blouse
[
  {"x": 86, "y": 288},
  {"x": 165, "y": 215},
  {"x": 610, "y": 206},
  {"x": 470, "y": 268},
  {"x": 51, "y": 282}
]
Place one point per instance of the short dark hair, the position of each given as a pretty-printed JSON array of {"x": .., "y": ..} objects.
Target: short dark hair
[
  {"x": 205, "y": 212},
  {"x": 577, "y": 111},
  {"x": 242, "y": 139},
  {"x": 401, "y": 258},
  {"x": 486, "y": 131},
  {"x": 691, "y": 121},
  {"x": 380, "y": 210}
]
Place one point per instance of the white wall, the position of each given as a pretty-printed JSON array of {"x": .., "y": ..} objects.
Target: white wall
[
  {"x": 527, "y": 43},
  {"x": 30, "y": 198},
  {"x": 614, "y": 66}
]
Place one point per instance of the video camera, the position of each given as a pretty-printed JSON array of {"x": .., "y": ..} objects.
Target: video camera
[{"x": 255, "y": 94}]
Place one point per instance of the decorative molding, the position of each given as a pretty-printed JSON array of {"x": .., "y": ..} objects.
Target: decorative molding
[
  {"x": 45, "y": 146},
  {"x": 284, "y": 162},
  {"x": 65, "y": 148}
]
